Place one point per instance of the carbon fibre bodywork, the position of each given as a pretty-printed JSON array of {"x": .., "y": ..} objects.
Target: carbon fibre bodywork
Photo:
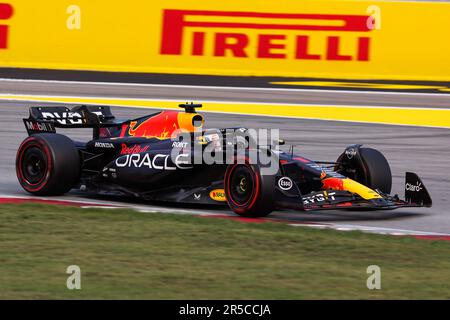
[{"x": 151, "y": 158}]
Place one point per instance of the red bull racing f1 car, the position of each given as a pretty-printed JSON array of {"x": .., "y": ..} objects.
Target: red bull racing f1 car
[{"x": 161, "y": 157}]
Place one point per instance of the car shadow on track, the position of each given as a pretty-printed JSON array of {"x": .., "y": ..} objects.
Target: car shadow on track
[
  {"x": 286, "y": 216},
  {"x": 335, "y": 216}
]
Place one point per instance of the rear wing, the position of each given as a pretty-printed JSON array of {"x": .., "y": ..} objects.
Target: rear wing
[{"x": 46, "y": 119}]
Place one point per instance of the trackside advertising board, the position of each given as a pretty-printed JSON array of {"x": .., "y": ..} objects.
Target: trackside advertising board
[{"x": 331, "y": 39}]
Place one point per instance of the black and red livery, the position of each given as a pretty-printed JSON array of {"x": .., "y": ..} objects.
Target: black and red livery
[{"x": 145, "y": 157}]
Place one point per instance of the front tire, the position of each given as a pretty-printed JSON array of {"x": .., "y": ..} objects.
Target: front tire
[
  {"x": 47, "y": 164},
  {"x": 370, "y": 168},
  {"x": 248, "y": 192}
]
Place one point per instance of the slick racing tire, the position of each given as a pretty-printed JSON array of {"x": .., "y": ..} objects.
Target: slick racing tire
[
  {"x": 47, "y": 164},
  {"x": 248, "y": 192},
  {"x": 373, "y": 170}
]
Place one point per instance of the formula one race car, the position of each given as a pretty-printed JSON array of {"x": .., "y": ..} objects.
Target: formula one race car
[{"x": 161, "y": 157}]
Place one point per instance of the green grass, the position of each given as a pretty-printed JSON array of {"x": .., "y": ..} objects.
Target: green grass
[{"x": 131, "y": 255}]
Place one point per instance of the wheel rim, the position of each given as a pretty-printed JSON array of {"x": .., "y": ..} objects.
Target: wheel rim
[
  {"x": 34, "y": 165},
  {"x": 242, "y": 185}
]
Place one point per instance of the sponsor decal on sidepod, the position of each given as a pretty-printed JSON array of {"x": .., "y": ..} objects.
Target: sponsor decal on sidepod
[
  {"x": 138, "y": 160},
  {"x": 107, "y": 145},
  {"x": 134, "y": 149},
  {"x": 218, "y": 195}
]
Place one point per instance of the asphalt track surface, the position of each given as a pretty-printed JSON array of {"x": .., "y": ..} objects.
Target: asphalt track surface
[
  {"x": 425, "y": 151},
  {"x": 228, "y": 81},
  {"x": 226, "y": 94}
]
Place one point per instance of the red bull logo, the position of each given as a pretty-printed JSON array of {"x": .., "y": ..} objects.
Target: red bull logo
[
  {"x": 235, "y": 42},
  {"x": 133, "y": 149},
  {"x": 163, "y": 125},
  {"x": 160, "y": 126},
  {"x": 6, "y": 12}
]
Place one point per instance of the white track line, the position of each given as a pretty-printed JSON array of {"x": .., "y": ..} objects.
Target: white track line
[
  {"x": 378, "y": 230},
  {"x": 224, "y": 87},
  {"x": 201, "y": 212},
  {"x": 80, "y": 201},
  {"x": 4, "y": 96},
  {"x": 109, "y": 204}
]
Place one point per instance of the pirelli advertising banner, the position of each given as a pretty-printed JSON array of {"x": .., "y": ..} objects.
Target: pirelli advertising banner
[{"x": 331, "y": 39}]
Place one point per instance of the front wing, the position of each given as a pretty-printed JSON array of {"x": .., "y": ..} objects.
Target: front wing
[{"x": 416, "y": 195}]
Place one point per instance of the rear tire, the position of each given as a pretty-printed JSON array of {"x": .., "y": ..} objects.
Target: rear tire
[
  {"x": 248, "y": 192},
  {"x": 47, "y": 164}
]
